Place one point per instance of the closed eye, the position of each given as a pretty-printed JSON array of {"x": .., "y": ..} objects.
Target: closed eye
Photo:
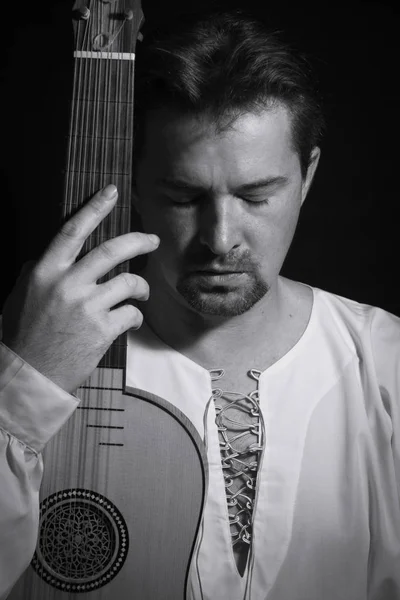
[
  {"x": 256, "y": 201},
  {"x": 189, "y": 201},
  {"x": 184, "y": 201}
]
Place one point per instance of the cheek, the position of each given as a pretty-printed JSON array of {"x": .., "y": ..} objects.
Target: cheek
[
  {"x": 287, "y": 222},
  {"x": 175, "y": 227},
  {"x": 288, "y": 229},
  {"x": 277, "y": 229}
]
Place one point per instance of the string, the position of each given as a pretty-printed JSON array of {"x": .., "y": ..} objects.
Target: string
[
  {"x": 68, "y": 191},
  {"x": 94, "y": 181},
  {"x": 72, "y": 132},
  {"x": 82, "y": 123},
  {"x": 106, "y": 142},
  {"x": 89, "y": 156},
  {"x": 80, "y": 169},
  {"x": 79, "y": 175},
  {"x": 117, "y": 136}
]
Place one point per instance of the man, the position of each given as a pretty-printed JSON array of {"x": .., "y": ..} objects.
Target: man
[{"x": 305, "y": 384}]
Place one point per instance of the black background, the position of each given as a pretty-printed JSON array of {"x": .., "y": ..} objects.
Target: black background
[{"x": 347, "y": 240}]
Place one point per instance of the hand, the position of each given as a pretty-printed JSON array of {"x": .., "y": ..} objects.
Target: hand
[{"x": 57, "y": 317}]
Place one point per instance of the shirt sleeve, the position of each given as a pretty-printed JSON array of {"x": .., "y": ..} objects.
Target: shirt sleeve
[
  {"x": 385, "y": 339},
  {"x": 32, "y": 410}
]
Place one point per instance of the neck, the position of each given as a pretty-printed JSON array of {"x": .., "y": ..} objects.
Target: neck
[{"x": 207, "y": 337}]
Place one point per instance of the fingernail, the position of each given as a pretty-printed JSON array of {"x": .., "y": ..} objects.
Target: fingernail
[
  {"x": 154, "y": 238},
  {"x": 109, "y": 192}
]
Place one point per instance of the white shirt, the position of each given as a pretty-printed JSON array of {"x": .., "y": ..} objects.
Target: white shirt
[{"x": 327, "y": 514}]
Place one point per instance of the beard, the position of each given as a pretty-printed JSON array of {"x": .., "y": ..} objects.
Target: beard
[
  {"x": 223, "y": 301},
  {"x": 229, "y": 300}
]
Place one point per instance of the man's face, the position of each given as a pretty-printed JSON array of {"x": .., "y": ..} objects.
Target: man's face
[{"x": 225, "y": 206}]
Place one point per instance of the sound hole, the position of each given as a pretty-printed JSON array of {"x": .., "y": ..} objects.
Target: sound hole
[{"x": 83, "y": 541}]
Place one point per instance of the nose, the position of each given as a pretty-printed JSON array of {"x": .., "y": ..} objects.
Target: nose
[{"x": 220, "y": 225}]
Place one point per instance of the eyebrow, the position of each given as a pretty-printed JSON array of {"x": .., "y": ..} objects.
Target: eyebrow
[{"x": 180, "y": 184}]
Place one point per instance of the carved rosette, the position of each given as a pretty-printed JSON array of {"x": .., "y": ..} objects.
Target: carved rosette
[{"x": 83, "y": 541}]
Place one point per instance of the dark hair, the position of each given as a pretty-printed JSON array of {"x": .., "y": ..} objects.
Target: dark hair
[{"x": 224, "y": 64}]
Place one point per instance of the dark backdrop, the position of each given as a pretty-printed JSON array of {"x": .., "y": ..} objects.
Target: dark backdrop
[{"x": 347, "y": 240}]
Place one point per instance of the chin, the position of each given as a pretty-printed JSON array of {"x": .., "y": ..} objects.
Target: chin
[{"x": 220, "y": 301}]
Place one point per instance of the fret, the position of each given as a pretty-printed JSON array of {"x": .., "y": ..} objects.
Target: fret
[
  {"x": 109, "y": 173},
  {"x": 98, "y": 387},
  {"x": 102, "y": 155},
  {"x": 100, "y": 146},
  {"x": 114, "y": 117},
  {"x": 80, "y": 186},
  {"x": 114, "y": 358},
  {"x": 72, "y": 207},
  {"x": 105, "y": 426},
  {"x": 109, "y": 444},
  {"x": 116, "y": 343},
  {"x": 105, "y": 378},
  {"x": 100, "y": 408},
  {"x": 100, "y": 137},
  {"x": 101, "y": 80}
]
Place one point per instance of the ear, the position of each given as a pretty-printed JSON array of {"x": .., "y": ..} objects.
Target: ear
[{"x": 315, "y": 154}]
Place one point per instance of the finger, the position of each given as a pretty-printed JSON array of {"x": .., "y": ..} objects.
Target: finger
[
  {"x": 120, "y": 288},
  {"x": 67, "y": 244},
  {"x": 123, "y": 318},
  {"x": 111, "y": 253}
]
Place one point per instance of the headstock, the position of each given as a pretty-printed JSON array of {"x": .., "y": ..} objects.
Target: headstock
[{"x": 110, "y": 26}]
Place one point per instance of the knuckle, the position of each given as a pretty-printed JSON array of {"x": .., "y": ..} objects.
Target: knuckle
[
  {"x": 64, "y": 295},
  {"x": 108, "y": 250},
  {"x": 107, "y": 330},
  {"x": 129, "y": 280},
  {"x": 136, "y": 284},
  {"x": 131, "y": 318},
  {"x": 134, "y": 318},
  {"x": 97, "y": 205},
  {"x": 144, "y": 288},
  {"x": 37, "y": 276},
  {"x": 72, "y": 229}
]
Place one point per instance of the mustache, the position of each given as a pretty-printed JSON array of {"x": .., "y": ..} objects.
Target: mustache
[{"x": 229, "y": 262}]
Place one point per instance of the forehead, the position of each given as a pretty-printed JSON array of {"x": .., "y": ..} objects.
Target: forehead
[{"x": 191, "y": 146}]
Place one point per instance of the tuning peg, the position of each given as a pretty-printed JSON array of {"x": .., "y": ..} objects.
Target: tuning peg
[{"x": 83, "y": 13}]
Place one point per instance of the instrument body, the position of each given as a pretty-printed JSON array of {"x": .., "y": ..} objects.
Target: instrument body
[
  {"x": 135, "y": 460},
  {"x": 125, "y": 479}
]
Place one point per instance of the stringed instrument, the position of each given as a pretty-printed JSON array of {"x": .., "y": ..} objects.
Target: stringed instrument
[{"x": 125, "y": 479}]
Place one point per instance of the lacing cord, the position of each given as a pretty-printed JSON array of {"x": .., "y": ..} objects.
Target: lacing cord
[
  {"x": 217, "y": 374},
  {"x": 241, "y": 498}
]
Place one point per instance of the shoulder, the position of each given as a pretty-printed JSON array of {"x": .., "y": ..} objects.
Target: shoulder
[
  {"x": 364, "y": 326},
  {"x": 358, "y": 315}
]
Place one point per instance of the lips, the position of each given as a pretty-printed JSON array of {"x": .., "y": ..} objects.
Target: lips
[
  {"x": 217, "y": 277},
  {"x": 214, "y": 272}
]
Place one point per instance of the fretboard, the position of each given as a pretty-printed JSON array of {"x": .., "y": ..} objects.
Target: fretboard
[{"x": 100, "y": 152}]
